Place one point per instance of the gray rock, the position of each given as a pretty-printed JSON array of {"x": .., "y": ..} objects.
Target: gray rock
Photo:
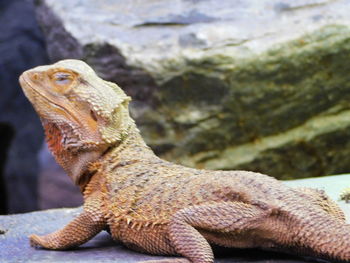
[
  {"x": 259, "y": 84},
  {"x": 14, "y": 231}
]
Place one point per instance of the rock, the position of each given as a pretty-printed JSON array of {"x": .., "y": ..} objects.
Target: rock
[
  {"x": 15, "y": 229},
  {"x": 258, "y": 85},
  {"x": 22, "y": 47}
]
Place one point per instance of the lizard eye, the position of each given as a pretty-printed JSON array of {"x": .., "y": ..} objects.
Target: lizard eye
[{"x": 62, "y": 78}]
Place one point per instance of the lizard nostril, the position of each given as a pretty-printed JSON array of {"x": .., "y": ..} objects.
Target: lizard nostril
[{"x": 35, "y": 76}]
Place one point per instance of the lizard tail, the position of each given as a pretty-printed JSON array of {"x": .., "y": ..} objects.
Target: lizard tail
[{"x": 324, "y": 238}]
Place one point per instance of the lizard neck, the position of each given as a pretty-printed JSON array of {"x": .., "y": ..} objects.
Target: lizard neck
[
  {"x": 131, "y": 147},
  {"x": 81, "y": 165},
  {"x": 75, "y": 163}
]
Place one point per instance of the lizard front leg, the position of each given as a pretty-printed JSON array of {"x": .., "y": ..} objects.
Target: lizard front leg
[
  {"x": 185, "y": 226},
  {"x": 84, "y": 227}
]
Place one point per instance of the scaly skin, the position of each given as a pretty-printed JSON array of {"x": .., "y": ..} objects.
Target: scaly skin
[{"x": 155, "y": 206}]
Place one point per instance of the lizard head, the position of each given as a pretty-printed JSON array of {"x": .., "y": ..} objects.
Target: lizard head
[{"x": 80, "y": 112}]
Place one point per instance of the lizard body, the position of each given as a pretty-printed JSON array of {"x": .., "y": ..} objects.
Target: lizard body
[{"x": 158, "y": 207}]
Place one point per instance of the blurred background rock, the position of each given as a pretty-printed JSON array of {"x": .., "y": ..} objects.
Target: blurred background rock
[
  {"x": 261, "y": 85},
  {"x": 22, "y": 46}
]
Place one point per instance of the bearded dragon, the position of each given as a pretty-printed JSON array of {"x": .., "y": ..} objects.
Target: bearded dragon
[{"x": 161, "y": 208}]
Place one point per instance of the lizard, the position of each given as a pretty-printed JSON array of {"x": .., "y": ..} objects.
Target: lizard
[{"x": 158, "y": 207}]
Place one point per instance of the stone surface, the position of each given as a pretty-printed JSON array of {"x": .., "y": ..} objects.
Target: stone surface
[
  {"x": 259, "y": 85},
  {"x": 14, "y": 231},
  {"x": 21, "y": 47}
]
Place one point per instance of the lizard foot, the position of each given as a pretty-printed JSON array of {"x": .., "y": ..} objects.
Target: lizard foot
[{"x": 174, "y": 260}]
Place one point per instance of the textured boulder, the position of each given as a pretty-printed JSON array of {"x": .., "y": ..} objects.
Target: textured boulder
[
  {"x": 15, "y": 229},
  {"x": 258, "y": 85}
]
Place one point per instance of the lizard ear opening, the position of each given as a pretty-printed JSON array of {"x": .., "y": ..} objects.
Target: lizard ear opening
[{"x": 93, "y": 115}]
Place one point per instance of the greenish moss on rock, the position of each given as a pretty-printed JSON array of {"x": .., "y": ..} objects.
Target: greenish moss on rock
[
  {"x": 268, "y": 94},
  {"x": 282, "y": 89}
]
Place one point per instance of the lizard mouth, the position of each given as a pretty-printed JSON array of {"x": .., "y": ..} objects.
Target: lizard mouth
[
  {"x": 27, "y": 85},
  {"x": 69, "y": 136}
]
